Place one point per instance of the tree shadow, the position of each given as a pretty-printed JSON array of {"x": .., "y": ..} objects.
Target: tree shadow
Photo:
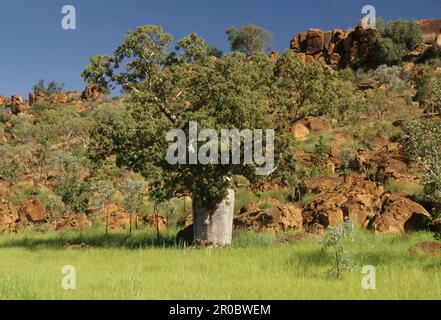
[{"x": 81, "y": 240}]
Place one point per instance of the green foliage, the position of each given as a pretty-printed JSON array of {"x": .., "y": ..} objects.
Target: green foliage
[
  {"x": 22, "y": 193},
  {"x": 249, "y": 39},
  {"x": 424, "y": 143},
  {"x": 386, "y": 51},
  {"x": 307, "y": 199},
  {"x": 394, "y": 78},
  {"x": 265, "y": 205},
  {"x": 396, "y": 39},
  {"x": 377, "y": 102},
  {"x": 431, "y": 53},
  {"x": 321, "y": 153},
  {"x": 212, "y": 50},
  {"x": 406, "y": 33},
  {"x": 51, "y": 89},
  {"x": 9, "y": 168},
  {"x": 174, "y": 88},
  {"x": 428, "y": 84},
  {"x": 132, "y": 194},
  {"x": 336, "y": 239},
  {"x": 346, "y": 157}
]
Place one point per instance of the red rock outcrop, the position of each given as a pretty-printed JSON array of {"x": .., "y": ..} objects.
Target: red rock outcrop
[
  {"x": 399, "y": 215},
  {"x": 340, "y": 49},
  {"x": 60, "y": 98},
  {"x": 335, "y": 200},
  {"x": 431, "y": 30},
  {"x": 2, "y": 101},
  {"x": 73, "y": 222},
  {"x": 157, "y": 221},
  {"x": 33, "y": 211},
  {"x": 36, "y": 98},
  {"x": 8, "y": 215},
  {"x": 276, "y": 219},
  {"x": 364, "y": 203},
  {"x": 336, "y": 48},
  {"x": 18, "y": 104},
  {"x": 92, "y": 93}
]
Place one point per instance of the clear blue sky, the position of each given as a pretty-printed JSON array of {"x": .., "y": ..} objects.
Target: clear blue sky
[{"x": 34, "y": 46}]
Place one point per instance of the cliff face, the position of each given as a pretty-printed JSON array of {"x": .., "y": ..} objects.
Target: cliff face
[
  {"x": 431, "y": 30},
  {"x": 339, "y": 49}
]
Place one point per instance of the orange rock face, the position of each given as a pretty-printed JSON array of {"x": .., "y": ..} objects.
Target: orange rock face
[
  {"x": 431, "y": 30},
  {"x": 336, "y": 48},
  {"x": 276, "y": 219},
  {"x": 92, "y": 93},
  {"x": 364, "y": 203}
]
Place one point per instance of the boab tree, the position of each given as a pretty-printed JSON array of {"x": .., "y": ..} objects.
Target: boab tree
[{"x": 171, "y": 90}]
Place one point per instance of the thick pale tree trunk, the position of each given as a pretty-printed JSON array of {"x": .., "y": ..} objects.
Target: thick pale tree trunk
[{"x": 215, "y": 224}]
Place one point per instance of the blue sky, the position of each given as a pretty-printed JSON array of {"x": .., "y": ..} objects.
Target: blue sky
[{"x": 34, "y": 46}]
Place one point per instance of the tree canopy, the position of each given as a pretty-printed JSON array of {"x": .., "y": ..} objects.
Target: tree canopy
[{"x": 170, "y": 89}]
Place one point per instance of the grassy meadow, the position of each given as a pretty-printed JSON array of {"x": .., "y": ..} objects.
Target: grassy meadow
[{"x": 256, "y": 266}]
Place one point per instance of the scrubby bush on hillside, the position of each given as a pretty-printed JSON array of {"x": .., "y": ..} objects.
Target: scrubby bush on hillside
[
  {"x": 428, "y": 84},
  {"x": 337, "y": 240},
  {"x": 406, "y": 33},
  {"x": 398, "y": 38},
  {"x": 423, "y": 143},
  {"x": 249, "y": 39},
  {"x": 51, "y": 89},
  {"x": 386, "y": 51},
  {"x": 431, "y": 53}
]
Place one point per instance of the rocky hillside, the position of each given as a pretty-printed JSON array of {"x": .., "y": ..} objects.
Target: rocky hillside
[
  {"x": 340, "y": 49},
  {"x": 351, "y": 135}
]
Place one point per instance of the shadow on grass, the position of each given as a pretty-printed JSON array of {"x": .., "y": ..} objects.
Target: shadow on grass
[{"x": 85, "y": 240}]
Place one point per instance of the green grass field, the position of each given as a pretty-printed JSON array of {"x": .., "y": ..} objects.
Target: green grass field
[{"x": 255, "y": 267}]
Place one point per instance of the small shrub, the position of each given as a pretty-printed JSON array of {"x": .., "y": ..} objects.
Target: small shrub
[{"x": 336, "y": 239}]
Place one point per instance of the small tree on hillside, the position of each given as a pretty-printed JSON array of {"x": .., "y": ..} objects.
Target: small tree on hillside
[
  {"x": 396, "y": 40},
  {"x": 428, "y": 83},
  {"x": 423, "y": 143},
  {"x": 406, "y": 33},
  {"x": 386, "y": 51},
  {"x": 336, "y": 239},
  {"x": 250, "y": 39},
  {"x": 132, "y": 197},
  {"x": 103, "y": 193},
  {"x": 51, "y": 89}
]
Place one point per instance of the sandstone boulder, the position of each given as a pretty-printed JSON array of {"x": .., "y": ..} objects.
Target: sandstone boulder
[
  {"x": 18, "y": 104},
  {"x": 92, "y": 93},
  {"x": 276, "y": 219},
  {"x": 300, "y": 131},
  {"x": 8, "y": 215},
  {"x": 73, "y": 222},
  {"x": 36, "y": 98},
  {"x": 315, "y": 41},
  {"x": 115, "y": 217},
  {"x": 2, "y": 101},
  {"x": 399, "y": 215},
  {"x": 336, "y": 199},
  {"x": 431, "y": 30},
  {"x": 60, "y": 98},
  {"x": 33, "y": 210},
  {"x": 157, "y": 222},
  {"x": 317, "y": 125}
]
